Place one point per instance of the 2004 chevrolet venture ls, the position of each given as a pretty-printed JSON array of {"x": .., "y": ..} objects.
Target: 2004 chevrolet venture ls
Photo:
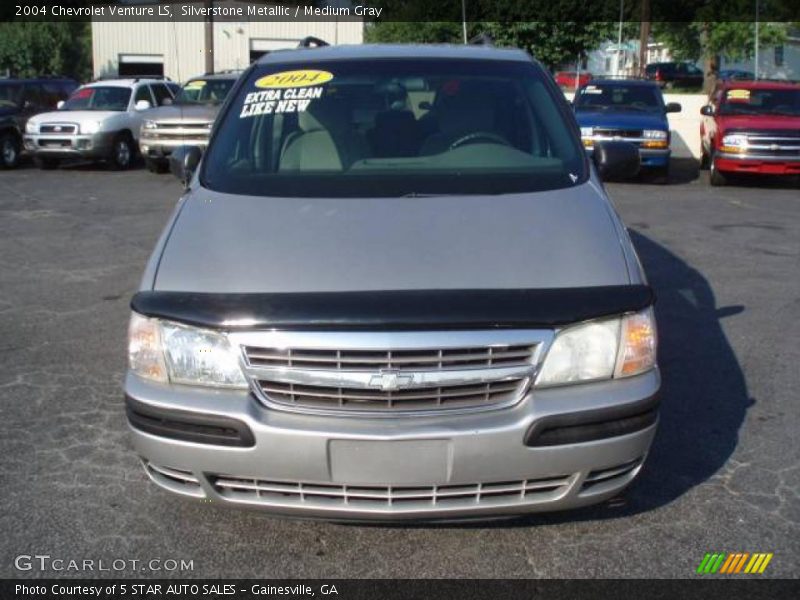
[{"x": 395, "y": 288}]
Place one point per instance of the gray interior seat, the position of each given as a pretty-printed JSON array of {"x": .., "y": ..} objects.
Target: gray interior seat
[{"x": 325, "y": 140}]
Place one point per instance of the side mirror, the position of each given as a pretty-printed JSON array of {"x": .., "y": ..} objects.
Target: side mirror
[
  {"x": 707, "y": 110},
  {"x": 183, "y": 162},
  {"x": 59, "y": 104},
  {"x": 142, "y": 105},
  {"x": 673, "y": 107},
  {"x": 616, "y": 160}
]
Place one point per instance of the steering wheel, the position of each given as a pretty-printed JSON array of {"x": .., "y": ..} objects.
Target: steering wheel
[{"x": 487, "y": 136}]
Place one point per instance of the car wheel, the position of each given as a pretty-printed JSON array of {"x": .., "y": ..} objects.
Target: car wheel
[
  {"x": 157, "y": 166},
  {"x": 46, "y": 164},
  {"x": 716, "y": 178},
  {"x": 121, "y": 152},
  {"x": 9, "y": 150}
]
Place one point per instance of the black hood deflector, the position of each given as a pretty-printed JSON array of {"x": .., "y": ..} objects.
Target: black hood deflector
[{"x": 402, "y": 309}]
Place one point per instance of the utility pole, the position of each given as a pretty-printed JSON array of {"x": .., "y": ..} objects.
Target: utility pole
[
  {"x": 644, "y": 35},
  {"x": 464, "y": 19},
  {"x": 619, "y": 36},
  {"x": 755, "y": 69},
  {"x": 208, "y": 46}
]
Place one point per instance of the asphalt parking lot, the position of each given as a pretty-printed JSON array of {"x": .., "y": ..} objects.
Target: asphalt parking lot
[{"x": 723, "y": 475}]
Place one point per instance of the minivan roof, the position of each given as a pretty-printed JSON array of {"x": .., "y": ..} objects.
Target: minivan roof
[{"x": 379, "y": 51}]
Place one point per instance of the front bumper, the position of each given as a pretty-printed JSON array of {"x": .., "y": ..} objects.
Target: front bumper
[
  {"x": 97, "y": 145},
  {"x": 760, "y": 164},
  {"x": 162, "y": 147},
  {"x": 423, "y": 468},
  {"x": 648, "y": 157}
]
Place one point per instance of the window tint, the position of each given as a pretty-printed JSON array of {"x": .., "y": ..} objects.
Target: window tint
[
  {"x": 99, "y": 98},
  {"x": 764, "y": 101},
  {"x": 205, "y": 91},
  {"x": 387, "y": 128},
  {"x": 34, "y": 95},
  {"x": 161, "y": 93},
  {"x": 53, "y": 92},
  {"x": 10, "y": 94},
  {"x": 619, "y": 97},
  {"x": 143, "y": 93}
]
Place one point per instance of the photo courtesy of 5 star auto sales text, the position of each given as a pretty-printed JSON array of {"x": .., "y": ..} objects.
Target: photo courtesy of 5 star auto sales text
[{"x": 399, "y": 300}]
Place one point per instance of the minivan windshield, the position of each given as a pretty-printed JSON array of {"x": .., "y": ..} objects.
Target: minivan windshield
[
  {"x": 615, "y": 96},
  {"x": 98, "y": 98},
  {"x": 204, "y": 91},
  {"x": 394, "y": 128}
]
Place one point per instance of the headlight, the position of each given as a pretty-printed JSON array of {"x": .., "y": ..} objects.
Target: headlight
[
  {"x": 619, "y": 347},
  {"x": 148, "y": 124},
  {"x": 90, "y": 127},
  {"x": 169, "y": 352},
  {"x": 654, "y": 134},
  {"x": 734, "y": 143},
  {"x": 587, "y": 131},
  {"x": 31, "y": 127}
]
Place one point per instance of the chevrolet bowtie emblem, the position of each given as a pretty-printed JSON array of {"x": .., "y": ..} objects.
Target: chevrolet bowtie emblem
[{"x": 389, "y": 380}]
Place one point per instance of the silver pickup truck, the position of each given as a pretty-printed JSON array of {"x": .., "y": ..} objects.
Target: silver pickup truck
[
  {"x": 395, "y": 288},
  {"x": 187, "y": 120}
]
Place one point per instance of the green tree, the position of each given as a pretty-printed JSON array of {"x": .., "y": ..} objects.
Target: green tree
[
  {"x": 553, "y": 43},
  {"x": 709, "y": 40},
  {"x": 30, "y": 49}
]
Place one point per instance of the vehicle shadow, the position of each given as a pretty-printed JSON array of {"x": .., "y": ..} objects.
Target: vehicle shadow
[{"x": 704, "y": 396}]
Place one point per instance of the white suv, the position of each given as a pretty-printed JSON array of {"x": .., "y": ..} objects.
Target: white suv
[{"x": 99, "y": 121}]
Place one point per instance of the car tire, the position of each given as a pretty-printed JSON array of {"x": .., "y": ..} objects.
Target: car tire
[
  {"x": 156, "y": 165},
  {"x": 47, "y": 164},
  {"x": 10, "y": 149},
  {"x": 716, "y": 178},
  {"x": 122, "y": 152}
]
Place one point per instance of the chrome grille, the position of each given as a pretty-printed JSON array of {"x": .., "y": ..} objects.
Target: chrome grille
[
  {"x": 622, "y": 133},
  {"x": 382, "y": 373},
  {"x": 310, "y": 495},
  {"x": 58, "y": 128},
  {"x": 359, "y": 398},
  {"x": 772, "y": 143},
  {"x": 441, "y": 358}
]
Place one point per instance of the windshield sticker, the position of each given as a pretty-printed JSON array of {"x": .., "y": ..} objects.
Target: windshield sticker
[
  {"x": 739, "y": 95},
  {"x": 195, "y": 85},
  {"x": 271, "y": 102},
  {"x": 592, "y": 89},
  {"x": 294, "y": 79},
  {"x": 285, "y": 92}
]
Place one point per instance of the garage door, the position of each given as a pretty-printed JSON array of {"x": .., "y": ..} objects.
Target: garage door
[{"x": 141, "y": 64}]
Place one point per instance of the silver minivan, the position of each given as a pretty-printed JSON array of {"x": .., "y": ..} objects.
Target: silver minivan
[{"x": 395, "y": 288}]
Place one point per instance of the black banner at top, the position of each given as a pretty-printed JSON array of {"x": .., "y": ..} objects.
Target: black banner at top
[{"x": 471, "y": 11}]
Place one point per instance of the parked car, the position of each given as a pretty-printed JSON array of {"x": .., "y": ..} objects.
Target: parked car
[
  {"x": 727, "y": 74},
  {"x": 751, "y": 127},
  {"x": 629, "y": 110},
  {"x": 368, "y": 307},
  {"x": 674, "y": 74},
  {"x": 185, "y": 121},
  {"x": 570, "y": 80},
  {"x": 20, "y": 99},
  {"x": 99, "y": 121}
]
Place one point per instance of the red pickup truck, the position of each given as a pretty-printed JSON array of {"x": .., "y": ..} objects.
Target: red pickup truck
[{"x": 751, "y": 127}]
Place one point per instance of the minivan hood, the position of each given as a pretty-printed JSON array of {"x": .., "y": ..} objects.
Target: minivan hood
[
  {"x": 181, "y": 112},
  {"x": 223, "y": 243}
]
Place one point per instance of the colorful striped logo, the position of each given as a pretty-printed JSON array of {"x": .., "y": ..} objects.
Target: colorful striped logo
[{"x": 736, "y": 562}]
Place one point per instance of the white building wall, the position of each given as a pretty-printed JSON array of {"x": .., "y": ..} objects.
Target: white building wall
[{"x": 181, "y": 43}]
